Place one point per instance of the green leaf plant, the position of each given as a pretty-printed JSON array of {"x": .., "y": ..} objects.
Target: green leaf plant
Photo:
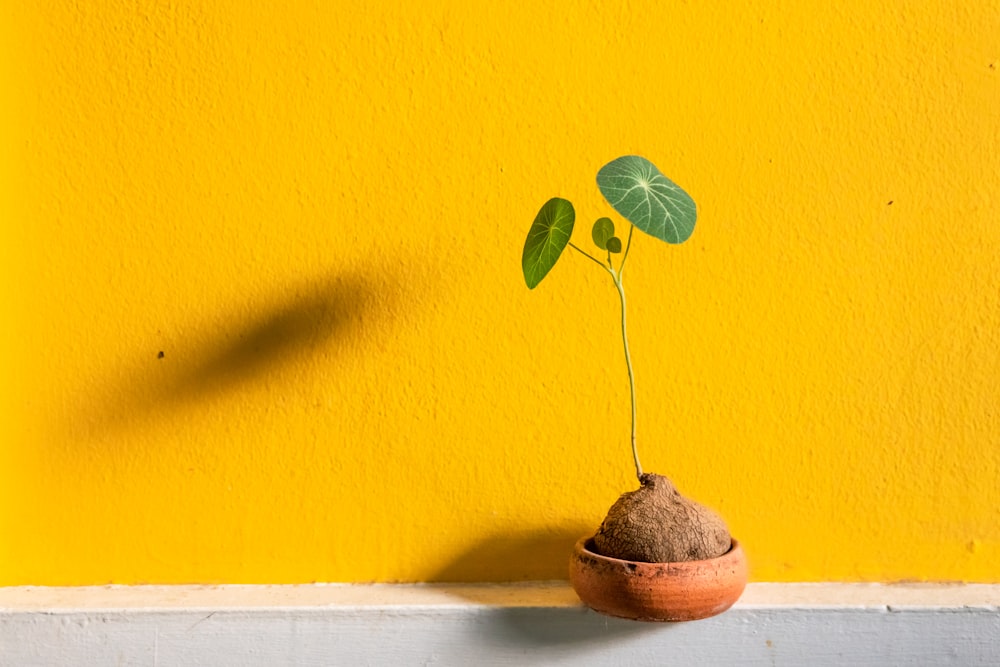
[{"x": 647, "y": 199}]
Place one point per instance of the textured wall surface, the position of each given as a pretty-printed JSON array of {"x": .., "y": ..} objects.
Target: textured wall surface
[{"x": 265, "y": 322}]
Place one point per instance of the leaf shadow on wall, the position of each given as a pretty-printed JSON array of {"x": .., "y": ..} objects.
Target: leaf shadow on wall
[
  {"x": 539, "y": 555},
  {"x": 215, "y": 360},
  {"x": 283, "y": 334}
]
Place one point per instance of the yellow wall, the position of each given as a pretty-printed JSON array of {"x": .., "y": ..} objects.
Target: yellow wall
[{"x": 316, "y": 214}]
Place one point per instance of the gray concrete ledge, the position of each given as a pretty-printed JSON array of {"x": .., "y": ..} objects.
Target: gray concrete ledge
[{"x": 517, "y": 624}]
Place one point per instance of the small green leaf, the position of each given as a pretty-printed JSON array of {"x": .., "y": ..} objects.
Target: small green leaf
[
  {"x": 547, "y": 238},
  {"x": 649, "y": 200},
  {"x": 603, "y": 230},
  {"x": 614, "y": 245}
]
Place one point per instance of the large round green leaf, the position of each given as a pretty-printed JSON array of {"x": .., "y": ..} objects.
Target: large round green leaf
[
  {"x": 648, "y": 199},
  {"x": 547, "y": 238}
]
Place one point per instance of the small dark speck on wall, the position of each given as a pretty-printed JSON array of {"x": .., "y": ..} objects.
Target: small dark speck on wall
[
  {"x": 890, "y": 204},
  {"x": 160, "y": 355}
]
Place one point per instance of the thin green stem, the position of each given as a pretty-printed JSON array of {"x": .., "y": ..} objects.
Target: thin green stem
[
  {"x": 631, "y": 375},
  {"x": 628, "y": 357},
  {"x": 588, "y": 256},
  {"x": 617, "y": 278},
  {"x": 628, "y": 244}
]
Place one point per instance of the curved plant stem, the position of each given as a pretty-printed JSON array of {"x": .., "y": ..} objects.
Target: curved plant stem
[
  {"x": 631, "y": 375},
  {"x": 628, "y": 356},
  {"x": 588, "y": 256},
  {"x": 628, "y": 244},
  {"x": 617, "y": 278}
]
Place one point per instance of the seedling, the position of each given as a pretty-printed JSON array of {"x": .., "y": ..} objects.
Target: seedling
[
  {"x": 648, "y": 200},
  {"x": 655, "y": 523}
]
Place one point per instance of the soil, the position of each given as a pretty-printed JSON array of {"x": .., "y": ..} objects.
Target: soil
[{"x": 656, "y": 524}]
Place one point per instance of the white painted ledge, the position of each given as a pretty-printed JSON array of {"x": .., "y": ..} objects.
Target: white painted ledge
[{"x": 523, "y": 624}]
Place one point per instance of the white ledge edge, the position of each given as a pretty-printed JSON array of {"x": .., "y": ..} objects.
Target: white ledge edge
[{"x": 558, "y": 594}]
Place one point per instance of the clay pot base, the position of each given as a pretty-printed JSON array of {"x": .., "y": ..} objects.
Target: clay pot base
[{"x": 684, "y": 591}]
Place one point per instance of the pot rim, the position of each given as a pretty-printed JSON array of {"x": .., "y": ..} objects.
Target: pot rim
[{"x": 582, "y": 546}]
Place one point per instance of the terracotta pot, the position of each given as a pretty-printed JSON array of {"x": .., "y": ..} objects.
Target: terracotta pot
[{"x": 684, "y": 591}]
